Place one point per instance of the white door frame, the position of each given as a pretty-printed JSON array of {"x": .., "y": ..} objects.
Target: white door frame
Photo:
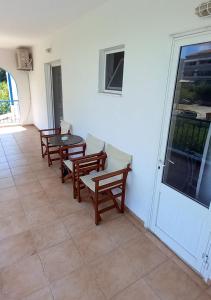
[
  {"x": 199, "y": 35},
  {"x": 49, "y": 90}
]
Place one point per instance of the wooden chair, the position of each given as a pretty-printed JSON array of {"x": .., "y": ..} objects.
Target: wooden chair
[
  {"x": 46, "y": 134},
  {"x": 108, "y": 184},
  {"x": 91, "y": 149}
]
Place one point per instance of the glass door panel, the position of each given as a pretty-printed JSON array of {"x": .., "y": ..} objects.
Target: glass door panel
[{"x": 188, "y": 155}]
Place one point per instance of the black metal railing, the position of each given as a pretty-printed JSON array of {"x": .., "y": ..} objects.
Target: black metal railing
[{"x": 190, "y": 134}]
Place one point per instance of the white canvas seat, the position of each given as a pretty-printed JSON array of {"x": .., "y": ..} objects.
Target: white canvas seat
[
  {"x": 68, "y": 163},
  {"x": 65, "y": 127},
  {"x": 46, "y": 147},
  {"x": 93, "y": 147},
  {"x": 108, "y": 180}
]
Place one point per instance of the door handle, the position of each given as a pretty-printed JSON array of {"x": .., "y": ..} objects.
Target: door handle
[{"x": 171, "y": 162}]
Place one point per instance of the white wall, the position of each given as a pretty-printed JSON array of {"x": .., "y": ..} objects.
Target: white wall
[
  {"x": 8, "y": 62},
  {"x": 131, "y": 122}
]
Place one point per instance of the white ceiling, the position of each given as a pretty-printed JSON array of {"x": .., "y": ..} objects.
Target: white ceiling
[{"x": 23, "y": 22}]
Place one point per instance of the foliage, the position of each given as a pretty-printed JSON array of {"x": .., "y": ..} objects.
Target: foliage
[
  {"x": 4, "y": 92},
  {"x": 3, "y": 76},
  {"x": 4, "y": 107},
  {"x": 198, "y": 92},
  {"x": 4, "y": 95}
]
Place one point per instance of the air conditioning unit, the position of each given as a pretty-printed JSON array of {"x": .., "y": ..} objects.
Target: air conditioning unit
[
  {"x": 204, "y": 9},
  {"x": 24, "y": 59}
]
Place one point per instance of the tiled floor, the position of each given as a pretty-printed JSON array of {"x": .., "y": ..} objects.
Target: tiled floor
[{"x": 51, "y": 249}]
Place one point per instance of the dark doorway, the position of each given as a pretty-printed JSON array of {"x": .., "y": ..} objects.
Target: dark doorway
[{"x": 57, "y": 95}]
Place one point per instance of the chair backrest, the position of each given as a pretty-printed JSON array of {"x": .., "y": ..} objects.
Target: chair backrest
[
  {"x": 116, "y": 159},
  {"x": 65, "y": 127},
  {"x": 93, "y": 145}
]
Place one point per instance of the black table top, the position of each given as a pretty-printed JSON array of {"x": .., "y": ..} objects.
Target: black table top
[{"x": 65, "y": 140}]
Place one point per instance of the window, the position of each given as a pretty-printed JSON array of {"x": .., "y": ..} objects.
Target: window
[{"x": 111, "y": 70}]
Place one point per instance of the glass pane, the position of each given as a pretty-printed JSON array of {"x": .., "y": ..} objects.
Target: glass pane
[
  {"x": 114, "y": 71},
  {"x": 188, "y": 155}
]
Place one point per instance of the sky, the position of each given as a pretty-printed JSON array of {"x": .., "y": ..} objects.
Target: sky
[{"x": 187, "y": 50}]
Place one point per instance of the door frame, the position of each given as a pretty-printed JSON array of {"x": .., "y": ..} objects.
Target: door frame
[
  {"x": 177, "y": 40},
  {"x": 49, "y": 91}
]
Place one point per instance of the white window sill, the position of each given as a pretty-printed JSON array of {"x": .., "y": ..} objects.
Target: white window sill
[{"x": 117, "y": 94}]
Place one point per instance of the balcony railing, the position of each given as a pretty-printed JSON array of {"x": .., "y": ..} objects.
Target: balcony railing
[
  {"x": 9, "y": 112},
  {"x": 190, "y": 134}
]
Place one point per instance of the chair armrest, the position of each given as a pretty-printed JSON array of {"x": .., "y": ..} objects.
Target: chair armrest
[
  {"x": 49, "y": 129},
  {"x": 110, "y": 174},
  {"x": 89, "y": 158},
  {"x": 86, "y": 157}
]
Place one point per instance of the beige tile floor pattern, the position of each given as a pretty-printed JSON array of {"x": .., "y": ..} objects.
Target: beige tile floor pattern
[{"x": 51, "y": 249}]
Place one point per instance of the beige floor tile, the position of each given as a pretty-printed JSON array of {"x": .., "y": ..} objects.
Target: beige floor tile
[
  {"x": 6, "y": 182},
  {"x": 29, "y": 188},
  {"x": 45, "y": 173},
  {"x": 18, "y": 162},
  {"x": 137, "y": 291},
  {"x": 15, "y": 248},
  {"x": 113, "y": 272},
  {"x": 143, "y": 255},
  {"x": 21, "y": 170},
  {"x": 209, "y": 290},
  {"x": 78, "y": 222},
  {"x": 31, "y": 201},
  {"x": 49, "y": 235},
  {"x": 39, "y": 166},
  {"x": 121, "y": 230},
  {"x": 204, "y": 296},
  {"x": 12, "y": 225},
  {"x": 24, "y": 178},
  {"x": 23, "y": 278},
  {"x": 94, "y": 243},
  {"x": 135, "y": 221},
  {"x": 79, "y": 285},
  {"x": 64, "y": 207},
  {"x": 13, "y": 157},
  {"x": 10, "y": 207},
  {"x": 4, "y": 165},
  {"x": 159, "y": 244},
  {"x": 43, "y": 294},
  {"x": 60, "y": 260},
  {"x": 41, "y": 215},
  {"x": 194, "y": 276},
  {"x": 169, "y": 282},
  {"x": 5, "y": 173},
  {"x": 9, "y": 193}
]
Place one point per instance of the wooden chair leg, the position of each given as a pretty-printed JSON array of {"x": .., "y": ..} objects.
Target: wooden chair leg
[
  {"x": 97, "y": 215},
  {"x": 123, "y": 201},
  {"x": 62, "y": 172},
  {"x": 49, "y": 157},
  {"x": 78, "y": 189}
]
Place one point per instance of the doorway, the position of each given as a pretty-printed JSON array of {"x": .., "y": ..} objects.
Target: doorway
[
  {"x": 181, "y": 215},
  {"x": 9, "y": 102},
  {"x": 53, "y": 73}
]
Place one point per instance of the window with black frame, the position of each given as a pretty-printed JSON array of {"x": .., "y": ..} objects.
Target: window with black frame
[
  {"x": 114, "y": 71},
  {"x": 111, "y": 70}
]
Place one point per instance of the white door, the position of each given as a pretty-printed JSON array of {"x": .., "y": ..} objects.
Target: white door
[{"x": 181, "y": 214}]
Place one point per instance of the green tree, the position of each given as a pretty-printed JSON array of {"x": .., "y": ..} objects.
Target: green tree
[
  {"x": 4, "y": 92},
  {"x": 4, "y": 95}
]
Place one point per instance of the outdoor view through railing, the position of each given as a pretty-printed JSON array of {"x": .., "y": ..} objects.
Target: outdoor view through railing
[{"x": 9, "y": 104}]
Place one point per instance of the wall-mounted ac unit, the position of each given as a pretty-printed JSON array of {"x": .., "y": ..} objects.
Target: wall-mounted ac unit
[{"x": 24, "y": 59}]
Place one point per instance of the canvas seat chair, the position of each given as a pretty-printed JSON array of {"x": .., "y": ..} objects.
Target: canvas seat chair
[
  {"x": 46, "y": 134},
  {"x": 92, "y": 148},
  {"x": 108, "y": 184}
]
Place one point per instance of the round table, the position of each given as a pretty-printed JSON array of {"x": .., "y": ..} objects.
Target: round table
[{"x": 65, "y": 140}]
